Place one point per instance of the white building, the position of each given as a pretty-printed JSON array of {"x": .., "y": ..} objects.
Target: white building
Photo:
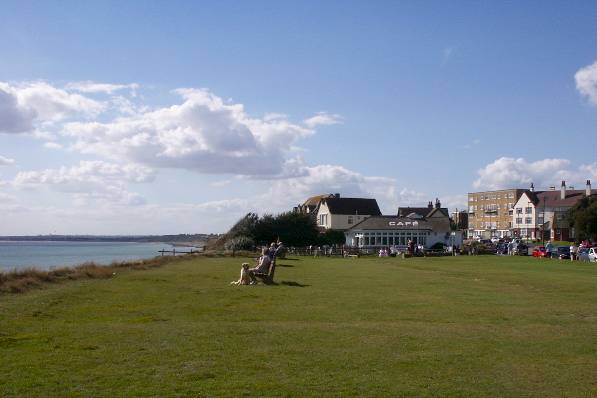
[
  {"x": 398, "y": 230},
  {"x": 538, "y": 212},
  {"x": 343, "y": 213}
]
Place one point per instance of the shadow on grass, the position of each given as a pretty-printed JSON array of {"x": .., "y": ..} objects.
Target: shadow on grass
[
  {"x": 285, "y": 265},
  {"x": 292, "y": 283}
]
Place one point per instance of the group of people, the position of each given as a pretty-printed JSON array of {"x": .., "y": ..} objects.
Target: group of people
[
  {"x": 412, "y": 248},
  {"x": 262, "y": 264},
  {"x": 574, "y": 250},
  {"x": 513, "y": 247}
]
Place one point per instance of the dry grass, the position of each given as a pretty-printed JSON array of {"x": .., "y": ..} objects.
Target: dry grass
[{"x": 19, "y": 281}]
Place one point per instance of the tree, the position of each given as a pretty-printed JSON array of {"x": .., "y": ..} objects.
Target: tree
[
  {"x": 583, "y": 218},
  {"x": 293, "y": 229},
  {"x": 246, "y": 226},
  {"x": 239, "y": 243}
]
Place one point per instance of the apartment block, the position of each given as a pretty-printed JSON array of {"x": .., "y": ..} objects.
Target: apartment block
[{"x": 490, "y": 212}]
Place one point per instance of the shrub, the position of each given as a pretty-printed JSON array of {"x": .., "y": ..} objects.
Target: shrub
[{"x": 240, "y": 243}]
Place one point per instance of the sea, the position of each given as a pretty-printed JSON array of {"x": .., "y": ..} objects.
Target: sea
[{"x": 50, "y": 254}]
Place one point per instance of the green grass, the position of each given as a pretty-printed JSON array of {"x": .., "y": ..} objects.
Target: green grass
[{"x": 449, "y": 326}]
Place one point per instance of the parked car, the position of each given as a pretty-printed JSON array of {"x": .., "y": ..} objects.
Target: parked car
[
  {"x": 561, "y": 252},
  {"x": 502, "y": 248},
  {"x": 539, "y": 251},
  {"x": 495, "y": 239},
  {"x": 583, "y": 255},
  {"x": 593, "y": 254},
  {"x": 521, "y": 249}
]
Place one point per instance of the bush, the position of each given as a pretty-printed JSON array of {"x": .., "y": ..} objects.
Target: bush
[{"x": 240, "y": 243}]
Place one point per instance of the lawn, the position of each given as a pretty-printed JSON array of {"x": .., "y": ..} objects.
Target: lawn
[{"x": 369, "y": 327}]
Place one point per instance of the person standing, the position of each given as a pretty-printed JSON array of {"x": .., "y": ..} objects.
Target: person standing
[
  {"x": 548, "y": 249},
  {"x": 573, "y": 251}
]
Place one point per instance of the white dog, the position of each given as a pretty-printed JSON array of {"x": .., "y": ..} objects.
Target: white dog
[{"x": 244, "y": 279}]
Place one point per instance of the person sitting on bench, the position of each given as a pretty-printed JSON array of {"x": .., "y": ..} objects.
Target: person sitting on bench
[{"x": 263, "y": 264}]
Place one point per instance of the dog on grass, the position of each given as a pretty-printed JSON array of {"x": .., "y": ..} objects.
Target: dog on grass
[{"x": 244, "y": 279}]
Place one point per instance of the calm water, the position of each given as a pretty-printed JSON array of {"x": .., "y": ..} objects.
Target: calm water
[{"x": 45, "y": 255}]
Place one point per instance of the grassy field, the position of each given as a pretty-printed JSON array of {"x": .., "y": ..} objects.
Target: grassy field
[{"x": 463, "y": 326}]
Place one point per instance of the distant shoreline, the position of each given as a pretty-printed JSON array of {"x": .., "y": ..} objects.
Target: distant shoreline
[
  {"x": 177, "y": 240},
  {"x": 47, "y": 254}
]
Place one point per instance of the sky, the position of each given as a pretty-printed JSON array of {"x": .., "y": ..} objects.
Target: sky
[{"x": 144, "y": 117}]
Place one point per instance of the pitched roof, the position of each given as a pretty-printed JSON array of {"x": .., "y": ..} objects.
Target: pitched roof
[
  {"x": 422, "y": 211},
  {"x": 392, "y": 222},
  {"x": 314, "y": 200},
  {"x": 352, "y": 206},
  {"x": 553, "y": 198},
  {"x": 443, "y": 210}
]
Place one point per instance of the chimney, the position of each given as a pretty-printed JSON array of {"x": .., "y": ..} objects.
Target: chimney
[
  {"x": 532, "y": 187},
  {"x": 437, "y": 203},
  {"x": 588, "y": 188},
  {"x": 430, "y": 205},
  {"x": 563, "y": 190}
]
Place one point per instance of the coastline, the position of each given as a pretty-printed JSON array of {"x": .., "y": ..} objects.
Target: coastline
[
  {"x": 48, "y": 255},
  {"x": 22, "y": 280}
]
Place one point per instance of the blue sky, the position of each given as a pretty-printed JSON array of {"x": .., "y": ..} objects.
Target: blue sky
[{"x": 402, "y": 101}]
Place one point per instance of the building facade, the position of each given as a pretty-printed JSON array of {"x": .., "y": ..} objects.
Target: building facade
[
  {"x": 460, "y": 220},
  {"x": 343, "y": 213},
  {"x": 540, "y": 215},
  {"x": 387, "y": 231},
  {"x": 490, "y": 212}
]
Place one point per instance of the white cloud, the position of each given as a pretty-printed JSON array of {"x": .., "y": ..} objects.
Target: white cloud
[
  {"x": 6, "y": 198},
  {"x": 94, "y": 87},
  {"x": 6, "y": 161},
  {"x": 454, "y": 202},
  {"x": 53, "y": 145},
  {"x": 24, "y": 105},
  {"x": 90, "y": 180},
  {"x": 586, "y": 82},
  {"x": 589, "y": 171},
  {"x": 14, "y": 117},
  {"x": 203, "y": 133},
  {"x": 519, "y": 173},
  {"x": 322, "y": 119},
  {"x": 273, "y": 116}
]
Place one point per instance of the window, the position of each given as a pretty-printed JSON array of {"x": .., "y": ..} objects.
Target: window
[
  {"x": 350, "y": 220},
  {"x": 518, "y": 210},
  {"x": 529, "y": 210},
  {"x": 519, "y": 220},
  {"x": 528, "y": 220},
  {"x": 323, "y": 219}
]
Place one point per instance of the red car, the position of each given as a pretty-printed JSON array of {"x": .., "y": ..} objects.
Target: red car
[{"x": 539, "y": 251}]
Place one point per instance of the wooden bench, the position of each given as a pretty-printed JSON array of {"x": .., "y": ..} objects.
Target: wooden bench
[{"x": 268, "y": 278}]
